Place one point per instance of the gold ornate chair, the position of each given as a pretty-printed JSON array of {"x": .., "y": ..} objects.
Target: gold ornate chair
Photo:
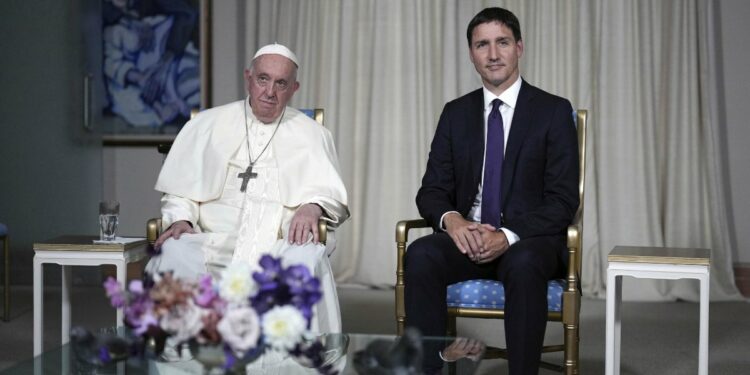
[
  {"x": 563, "y": 296},
  {"x": 153, "y": 226}
]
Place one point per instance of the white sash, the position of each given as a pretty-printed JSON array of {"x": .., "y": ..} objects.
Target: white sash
[{"x": 261, "y": 215}]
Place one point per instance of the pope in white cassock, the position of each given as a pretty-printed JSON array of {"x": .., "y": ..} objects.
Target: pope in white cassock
[{"x": 253, "y": 177}]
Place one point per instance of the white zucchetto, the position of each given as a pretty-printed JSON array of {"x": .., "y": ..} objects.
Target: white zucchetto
[{"x": 277, "y": 49}]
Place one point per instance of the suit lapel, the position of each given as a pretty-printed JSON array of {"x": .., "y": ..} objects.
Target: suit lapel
[
  {"x": 476, "y": 135},
  {"x": 520, "y": 125}
]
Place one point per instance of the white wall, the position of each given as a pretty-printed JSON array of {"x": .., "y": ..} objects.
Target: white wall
[
  {"x": 735, "y": 57},
  {"x": 129, "y": 174}
]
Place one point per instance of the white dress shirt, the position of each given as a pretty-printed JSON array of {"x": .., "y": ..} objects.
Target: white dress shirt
[{"x": 508, "y": 98}]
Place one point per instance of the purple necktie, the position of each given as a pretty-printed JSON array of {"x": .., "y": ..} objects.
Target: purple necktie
[{"x": 493, "y": 167}]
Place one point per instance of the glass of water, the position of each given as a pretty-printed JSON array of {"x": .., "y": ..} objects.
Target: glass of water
[{"x": 109, "y": 212}]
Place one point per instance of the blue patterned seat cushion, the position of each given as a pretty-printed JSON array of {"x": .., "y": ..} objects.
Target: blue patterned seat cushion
[{"x": 490, "y": 294}]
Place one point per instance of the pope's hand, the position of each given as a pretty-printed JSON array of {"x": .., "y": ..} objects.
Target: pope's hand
[
  {"x": 174, "y": 231},
  {"x": 305, "y": 220}
]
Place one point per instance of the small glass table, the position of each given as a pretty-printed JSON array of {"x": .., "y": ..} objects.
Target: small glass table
[{"x": 348, "y": 353}]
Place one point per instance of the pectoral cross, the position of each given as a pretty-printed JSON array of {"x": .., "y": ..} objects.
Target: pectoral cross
[{"x": 246, "y": 176}]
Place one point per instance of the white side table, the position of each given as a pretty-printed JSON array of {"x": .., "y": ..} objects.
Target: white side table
[
  {"x": 70, "y": 251},
  {"x": 654, "y": 263}
]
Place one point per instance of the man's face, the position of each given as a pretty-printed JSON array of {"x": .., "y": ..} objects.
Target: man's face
[
  {"x": 271, "y": 83},
  {"x": 495, "y": 54}
]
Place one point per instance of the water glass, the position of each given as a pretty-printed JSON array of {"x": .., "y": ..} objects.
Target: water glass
[{"x": 109, "y": 212}]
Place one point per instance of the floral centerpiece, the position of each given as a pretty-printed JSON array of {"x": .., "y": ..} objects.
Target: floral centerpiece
[{"x": 245, "y": 313}]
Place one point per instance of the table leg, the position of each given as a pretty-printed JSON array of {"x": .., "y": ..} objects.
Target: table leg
[
  {"x": 66, "y": 284},
  {"x": 703, "y": 335},
  {"x": 38, "y": 306},
  {"x": 38, "y": 366},
  {"x": 618, "y": 323},
  {"x": 123, "y": 280},
  {"x": 612, "y": 356},
  {"x": 65, "y": 360}
]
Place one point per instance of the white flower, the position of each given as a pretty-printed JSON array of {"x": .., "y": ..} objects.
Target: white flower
[
  {"x": 240, "y": 329},
  {"x": 183, "y": 321},
  {"x": 236, "y": 283},
  {"x": 283, "y": 327}
]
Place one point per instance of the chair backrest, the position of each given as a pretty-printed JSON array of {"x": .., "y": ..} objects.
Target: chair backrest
[
  {"x": 314, "y": 113},
  {"x": 581, "y": 118}
]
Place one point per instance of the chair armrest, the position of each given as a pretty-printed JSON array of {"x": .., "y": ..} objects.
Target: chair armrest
[
  {"x": 153, "y": 230},
  {"x": 575, "y": 229},
  {"x": 402, "y": 236},
  {"x": 575, "y": 245},
  {"x": 322, "y": 231},
  {"x": 403, "y": 227}
]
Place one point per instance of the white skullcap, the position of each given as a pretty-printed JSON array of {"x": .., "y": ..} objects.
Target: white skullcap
[{"x": 277, "y": 49}]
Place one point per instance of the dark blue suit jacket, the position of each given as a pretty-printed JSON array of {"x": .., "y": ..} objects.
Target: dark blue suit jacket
[{"x": 540, "y": 169}]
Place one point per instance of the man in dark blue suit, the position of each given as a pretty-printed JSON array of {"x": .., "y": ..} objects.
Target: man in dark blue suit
[{"x": 500, "y": 189}]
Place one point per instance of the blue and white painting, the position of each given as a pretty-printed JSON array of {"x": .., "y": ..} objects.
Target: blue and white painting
[{"x": 151, "y": 61}]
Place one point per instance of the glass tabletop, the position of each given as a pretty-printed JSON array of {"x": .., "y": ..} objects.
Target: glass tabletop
[{"x": 345, "y": 353}]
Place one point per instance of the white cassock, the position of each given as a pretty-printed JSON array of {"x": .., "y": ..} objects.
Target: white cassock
[{"x": 200, "y": 184}]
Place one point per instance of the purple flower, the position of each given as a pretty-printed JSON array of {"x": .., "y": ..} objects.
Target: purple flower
[
  {"x": 114, "y": 292},
  {"x": 230, "y": 359},
  {"x": 295, "y": 277},
  {"x": 278, "y": 286},
  {"x": 139, "y": 313},
  {"x": 271, "y": 268},
  {"x": 136, "y": 287},
  {"x": 304, "y": 289},
  {"x": 207, "y": 294},
  {"x": 267, "y": 299},
  {"x": 104, "y": 355},
  {"x": 144, "y": 322}
]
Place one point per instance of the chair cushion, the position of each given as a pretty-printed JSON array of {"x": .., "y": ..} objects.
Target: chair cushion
[
  {"x": 490, "y": 294},
  {"x": 3, "y": 229}
]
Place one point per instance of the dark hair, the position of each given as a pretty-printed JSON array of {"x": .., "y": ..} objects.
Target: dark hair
[{"x": 501, "y": 15}]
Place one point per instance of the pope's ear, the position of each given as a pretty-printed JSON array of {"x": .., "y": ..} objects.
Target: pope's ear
[
  {"x": 247, "y": 79},
  {"x": 296, "y": 86}
]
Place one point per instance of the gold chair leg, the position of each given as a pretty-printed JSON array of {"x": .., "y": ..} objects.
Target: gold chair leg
[
  {"x": 571, "y": 349},
  {"x": 450, "y": 329}
]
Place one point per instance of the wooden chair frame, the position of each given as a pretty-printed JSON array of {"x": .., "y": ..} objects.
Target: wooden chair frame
[{"x": 571, "y": 299}]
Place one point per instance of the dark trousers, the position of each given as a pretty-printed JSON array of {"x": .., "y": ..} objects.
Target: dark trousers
[{"x": 433, "y": 262}]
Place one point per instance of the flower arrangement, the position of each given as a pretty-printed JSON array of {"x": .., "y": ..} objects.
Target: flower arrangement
[{"x": 246, "y": 313}]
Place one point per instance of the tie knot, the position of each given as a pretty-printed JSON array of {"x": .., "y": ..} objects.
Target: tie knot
[{"x": 496, "y": 104}]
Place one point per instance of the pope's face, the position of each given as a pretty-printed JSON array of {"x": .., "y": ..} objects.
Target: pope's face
[
  {"x": 271, "y": 83},
  {"x": 495, "y": 54}
]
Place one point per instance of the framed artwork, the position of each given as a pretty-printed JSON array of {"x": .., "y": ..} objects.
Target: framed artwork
[{"x": 155, "y": 68}]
